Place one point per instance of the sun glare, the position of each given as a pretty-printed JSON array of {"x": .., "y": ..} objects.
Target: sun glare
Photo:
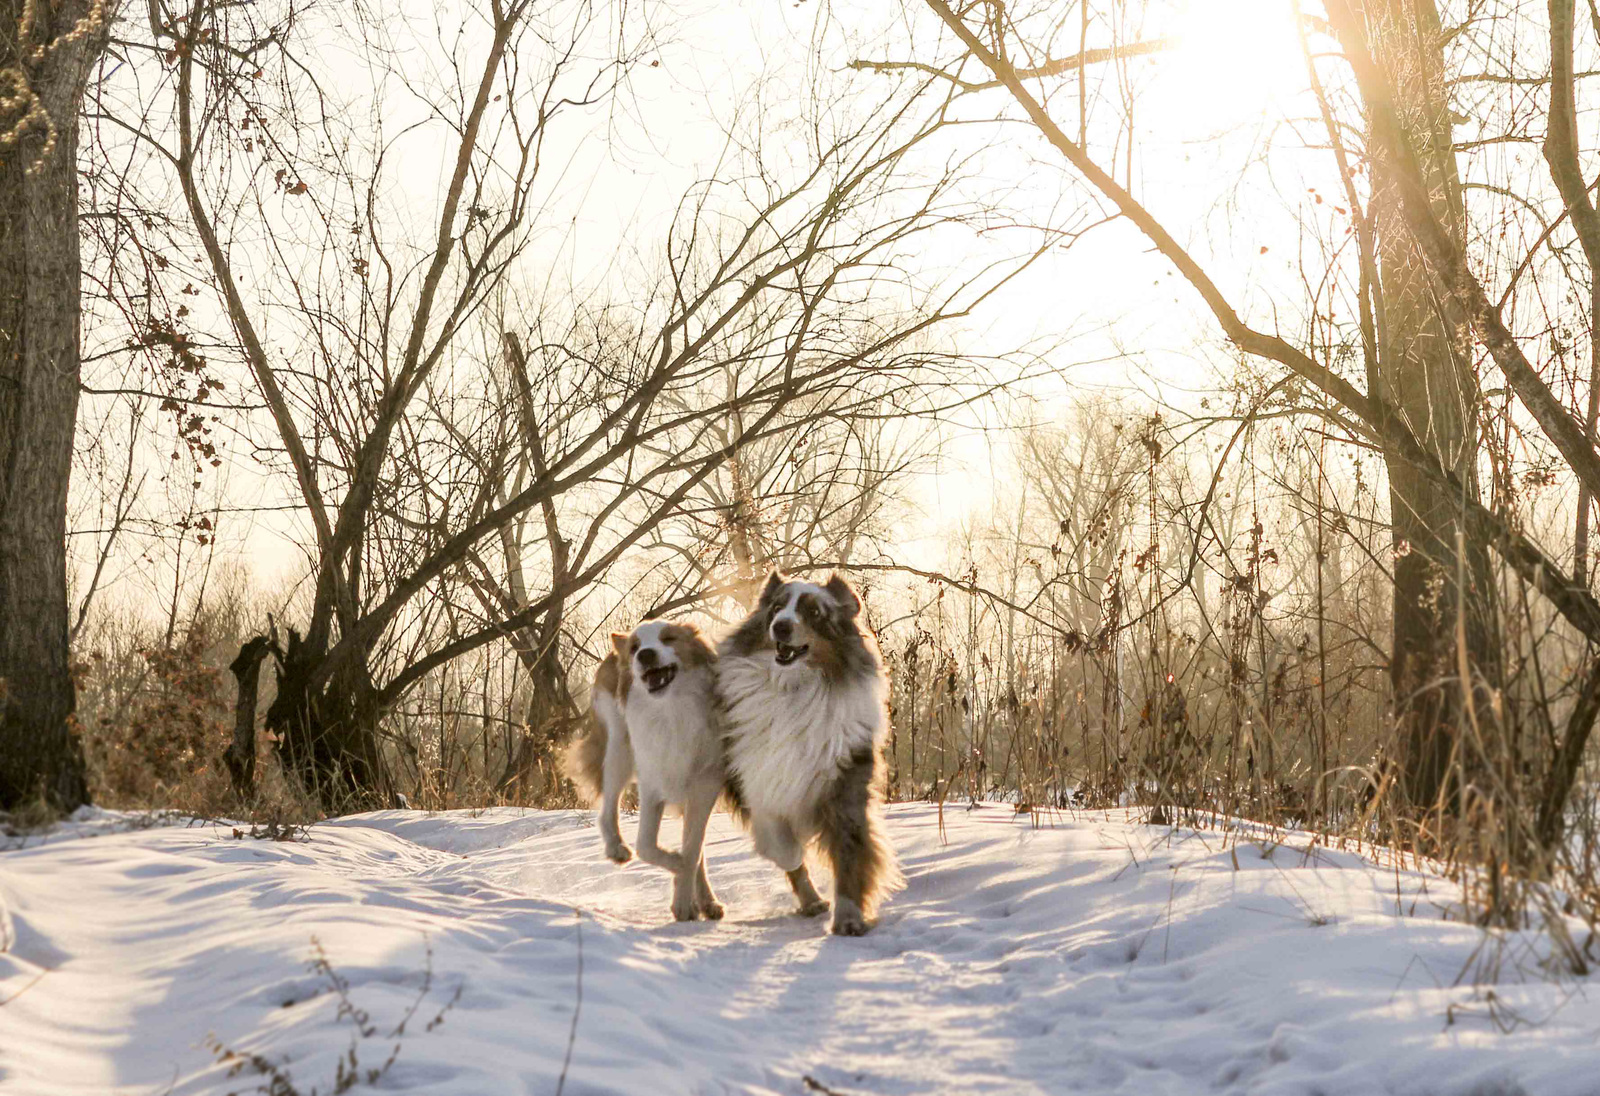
[{"x": 1234, "y": 59}]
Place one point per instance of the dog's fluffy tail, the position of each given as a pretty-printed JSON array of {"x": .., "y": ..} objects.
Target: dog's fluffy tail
[
  {"x": 585, "y": 759},
  {"x": 884, "y": 876},
  {"x": 853, "y": 836},
  {"x": 865, "y": 863}
]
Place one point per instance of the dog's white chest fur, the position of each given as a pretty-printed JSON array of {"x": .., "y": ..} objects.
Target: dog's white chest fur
[
  {"x": 790, "y": 731},
  {"x": 675, "y": 743}
]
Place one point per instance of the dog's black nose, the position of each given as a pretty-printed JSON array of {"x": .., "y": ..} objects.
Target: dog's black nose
[
  {"x": 647, "y": 657},
  {"x": 782, "y": 630}
]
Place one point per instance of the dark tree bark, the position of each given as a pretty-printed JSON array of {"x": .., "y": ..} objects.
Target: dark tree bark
[
  {"x": 326, "y": 731},
  {"x": 46, "y": 51},
  {"x": 530, "y": 770},
  {"x": 1425, "y": 376},
  {"x": 241, "y": 753}
]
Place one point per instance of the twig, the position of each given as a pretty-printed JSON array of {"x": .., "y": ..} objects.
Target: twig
[
  {"x": 37, "y": 979},
  {"x": 577, "y": 1005}
]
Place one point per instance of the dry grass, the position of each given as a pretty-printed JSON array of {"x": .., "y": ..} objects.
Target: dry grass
[{"x": 1209, "y": 652}]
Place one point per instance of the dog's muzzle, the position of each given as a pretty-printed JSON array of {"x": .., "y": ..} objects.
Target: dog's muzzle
[
  {"x": 788, "y": 654},
  {"x": 659, "y": 677}
]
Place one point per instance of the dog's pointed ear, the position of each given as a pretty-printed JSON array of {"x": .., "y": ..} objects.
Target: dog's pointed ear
[
  {"x": 775, "y": 582},
  {"x": 619, "y": 644},
  {"x": 841, "y": 591}
]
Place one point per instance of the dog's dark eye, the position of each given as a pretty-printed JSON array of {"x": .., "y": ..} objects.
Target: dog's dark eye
[{"x": 635, "y": 646}]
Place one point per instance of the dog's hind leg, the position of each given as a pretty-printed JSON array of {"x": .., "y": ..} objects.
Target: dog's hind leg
[
  {"x": 651, "y": 808},
  {"x": 775, "y": 839},
  {"x": 705, "y": 898},
  {"x": 691, "y": 891},
  {"x": 805, "y": 893},
  {"x": 618, "y": 772}
]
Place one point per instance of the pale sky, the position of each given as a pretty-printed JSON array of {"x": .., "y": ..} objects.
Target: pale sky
[{"x": 1204, "y": 110}]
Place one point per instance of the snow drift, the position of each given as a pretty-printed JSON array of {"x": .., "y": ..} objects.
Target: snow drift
[{"x": 449, "y": 954}]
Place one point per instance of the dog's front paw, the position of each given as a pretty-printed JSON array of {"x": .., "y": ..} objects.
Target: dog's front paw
[
  {"x": 712, "y": 910},
  {"x": 813, "y": 909},
  {"x": 618, "y": 852},
  {"x": 848, "y": 919},
  {"x": 685, "y": 910}
]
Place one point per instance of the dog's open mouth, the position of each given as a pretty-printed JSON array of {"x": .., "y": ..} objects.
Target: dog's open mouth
[
  {"x": 659, "y": 678},
  {"x": 788, "y": 654}
]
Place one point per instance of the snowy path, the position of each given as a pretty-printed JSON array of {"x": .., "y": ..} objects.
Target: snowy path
[{"x": 1087, "y": 955}]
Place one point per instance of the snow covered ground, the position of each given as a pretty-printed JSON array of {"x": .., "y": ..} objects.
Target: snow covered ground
[{"x": 1080, "y": 953}]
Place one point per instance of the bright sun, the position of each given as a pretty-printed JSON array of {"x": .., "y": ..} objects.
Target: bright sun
[{"x": 1234, "y": 58}]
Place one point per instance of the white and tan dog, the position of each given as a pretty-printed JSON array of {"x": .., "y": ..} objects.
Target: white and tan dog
[
  {"x": 805, "y": 714},
  {"x": 651, "y": 715}
]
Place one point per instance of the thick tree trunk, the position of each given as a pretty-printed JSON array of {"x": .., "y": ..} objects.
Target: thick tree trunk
[
  {"x": 1426, "y": 377},
  {"x": 328, "y": 735},
  {"x": 39, "y": 363},
  {"x": 241, "y": 753},
  {"x": 531, "y": 772}
]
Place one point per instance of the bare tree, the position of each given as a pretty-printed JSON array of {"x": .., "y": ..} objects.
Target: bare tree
[
  {"x": 1419, "y": 298},
  {"x": 468, "y": 466},
  {"x": 46, "y": 54},
  {"x": 1419, "y": 366}
]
